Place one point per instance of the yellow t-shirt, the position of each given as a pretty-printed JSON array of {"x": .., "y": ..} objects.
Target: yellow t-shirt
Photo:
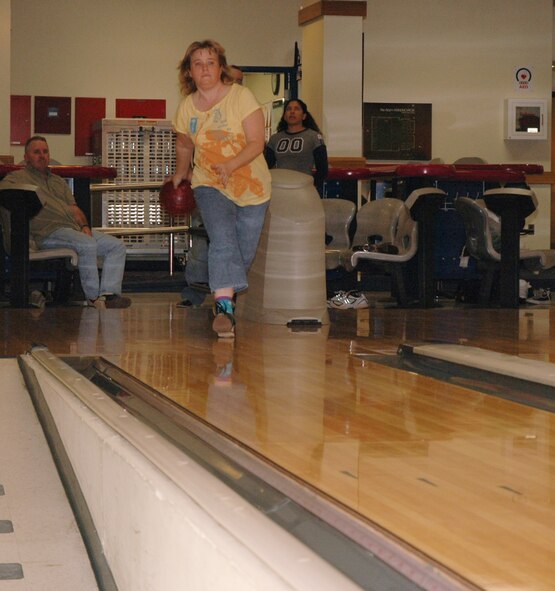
[{"x": 218, "y": 136}]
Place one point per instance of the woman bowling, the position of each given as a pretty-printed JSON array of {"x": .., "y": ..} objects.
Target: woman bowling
[{"x": 219, "y": 146}]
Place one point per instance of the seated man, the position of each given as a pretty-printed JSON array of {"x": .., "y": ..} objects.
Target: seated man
[{"x": 61, "y": 224}]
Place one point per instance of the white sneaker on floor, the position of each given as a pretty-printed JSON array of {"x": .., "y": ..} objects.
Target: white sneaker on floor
[
  {"x": 344, "y": 300},
  {"x": 540, "y": 296},
  {"x": 523, "y": 290}
]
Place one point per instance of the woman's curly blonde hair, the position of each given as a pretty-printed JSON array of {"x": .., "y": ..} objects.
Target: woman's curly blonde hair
[{"x": 186, "y": 83}]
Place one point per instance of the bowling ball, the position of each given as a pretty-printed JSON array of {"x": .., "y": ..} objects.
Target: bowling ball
[{"x": 180, "y": 201}]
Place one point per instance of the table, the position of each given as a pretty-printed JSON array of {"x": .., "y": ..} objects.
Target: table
[
  {"x": 512, "y": 206},
  {"x": 23, "y": 202}
]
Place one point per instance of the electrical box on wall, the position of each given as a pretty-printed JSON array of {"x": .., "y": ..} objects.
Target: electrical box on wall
[{"x": 525, "y": 119}]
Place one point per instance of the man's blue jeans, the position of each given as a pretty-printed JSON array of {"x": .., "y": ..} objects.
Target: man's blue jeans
[{"x": 111, "y": 250}]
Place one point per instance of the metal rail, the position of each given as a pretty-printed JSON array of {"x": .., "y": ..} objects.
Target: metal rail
[
  {"x": 99, "y": 187},
  {"x": 129, "y": 231}
]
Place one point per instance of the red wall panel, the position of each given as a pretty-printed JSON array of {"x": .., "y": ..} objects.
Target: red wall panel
[
  {"x": 87, "y": 111},
  {"x": 20, "y": 119},
  {"x": 139, "y": 108}
]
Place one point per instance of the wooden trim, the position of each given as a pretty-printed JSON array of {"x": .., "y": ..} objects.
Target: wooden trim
[
  {"x": 332, "y": 8},
  {"x": 547, "y": 178},
  {"x": 347, "y": 161},
  {"x": 552, "y": 225}
]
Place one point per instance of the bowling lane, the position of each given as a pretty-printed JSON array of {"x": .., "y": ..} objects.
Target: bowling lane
[
  {"x": 465, "y": 477},
  {"x": 462, "y": 476}
]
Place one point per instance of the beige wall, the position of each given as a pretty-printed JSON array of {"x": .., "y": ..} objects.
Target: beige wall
[
  {"x": 342, "y": 60},
  {"x": 553, "y": 56},
  {"x": 312, "y": 57},
  {"x": 461, "y": 57},
  {"x": 5, "y": 10},
  {"x": 332, "y": 80},
  {"x": 131, "y": 48}
]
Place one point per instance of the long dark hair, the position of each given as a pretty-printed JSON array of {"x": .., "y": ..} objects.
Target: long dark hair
[{"x": 308, "y": 121}]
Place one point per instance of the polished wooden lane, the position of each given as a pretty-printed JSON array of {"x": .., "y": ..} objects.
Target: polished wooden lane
[{"x": 465, "y": 477}]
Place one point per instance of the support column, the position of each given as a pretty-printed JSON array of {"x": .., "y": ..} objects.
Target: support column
[{"x": 332, "y": 71}]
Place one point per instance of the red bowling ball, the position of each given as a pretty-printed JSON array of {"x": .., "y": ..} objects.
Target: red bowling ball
[{"x": 180, "y": 201}]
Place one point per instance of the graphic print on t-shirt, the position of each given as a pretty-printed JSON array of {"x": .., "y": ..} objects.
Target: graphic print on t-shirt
[
  {"x": 219, "y": 146},
  {"x": 290, "y": 144}
]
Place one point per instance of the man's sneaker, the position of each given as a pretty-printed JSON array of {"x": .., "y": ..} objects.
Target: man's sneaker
[
  {"x": 540, "y": 296},
  {"x": 99, "y": 303},
  {"x": 344, "y": 300},
  {"x": 224, "y": 322},
  {"x": 185, "y": 304},
  {"x": 116, "y": 301}
]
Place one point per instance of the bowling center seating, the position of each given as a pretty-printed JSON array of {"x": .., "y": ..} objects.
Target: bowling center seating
[
  {"x": 311, "y": 247},
  {"x": 376, "y": 247}
]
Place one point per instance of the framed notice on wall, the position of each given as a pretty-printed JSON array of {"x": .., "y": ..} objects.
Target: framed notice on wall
[{"x": 397, "y": 131}]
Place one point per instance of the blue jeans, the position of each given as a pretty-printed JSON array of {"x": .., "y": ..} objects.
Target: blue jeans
[
  {"x": 111, "y": 250},
  {"x": 234, "y": 233}
]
